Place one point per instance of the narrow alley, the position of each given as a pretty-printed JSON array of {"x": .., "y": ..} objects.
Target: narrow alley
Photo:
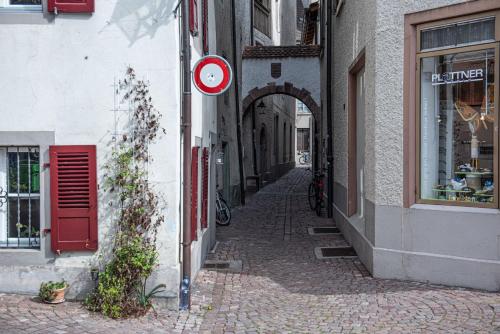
[{"x": 275, "y": 284}]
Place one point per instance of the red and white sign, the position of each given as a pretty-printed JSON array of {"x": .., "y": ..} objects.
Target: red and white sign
[{"x": 212, "y": 75}]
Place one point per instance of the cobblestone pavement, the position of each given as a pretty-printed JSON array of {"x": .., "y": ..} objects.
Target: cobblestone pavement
[{"x": 280, "y": 287}]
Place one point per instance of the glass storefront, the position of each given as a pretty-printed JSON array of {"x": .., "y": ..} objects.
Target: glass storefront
[{"x": 458, "y": 121}]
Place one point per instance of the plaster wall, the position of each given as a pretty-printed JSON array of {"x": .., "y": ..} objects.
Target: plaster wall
[
  {"x": 226, "y": 103},
  {"x": 204, "y": 134},
  {"x": 354, "y": 30},
  {"x": 388, "y": 99},
  {"x": 58, "y": 76},
  {"x": 301, "y": 72},
  {"x": 440, "y": 244}
]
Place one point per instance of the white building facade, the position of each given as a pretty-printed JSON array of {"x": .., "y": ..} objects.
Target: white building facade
[{"x": 59, "y": 77}]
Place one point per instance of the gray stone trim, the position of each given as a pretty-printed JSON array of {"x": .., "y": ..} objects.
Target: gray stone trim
[{"x": 23, "y": 257}]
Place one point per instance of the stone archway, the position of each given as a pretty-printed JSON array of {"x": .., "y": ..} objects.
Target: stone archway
[
  {"x": 288, "y": 70},
  {"x": 286, "y": 89}
]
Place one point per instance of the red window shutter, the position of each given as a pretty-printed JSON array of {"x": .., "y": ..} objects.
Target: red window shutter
[
  {"x": 70, "y": 6},
  {"x": 194, "y": 193},
  {"x": 193, "y": 17},
  {"x": 73, "y": 197},
  {"x": 204, "y": 203},
  {"x": 205, "y": 27}
]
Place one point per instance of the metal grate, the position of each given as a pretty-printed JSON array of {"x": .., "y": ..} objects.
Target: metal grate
[
  {"x": 323, "y": 230},
  {"x": 19, "y": 197},
  {"x": 234, "y": 265},
  {"x": 335, "y": 252},
  {"x": 217, "y": 265}
]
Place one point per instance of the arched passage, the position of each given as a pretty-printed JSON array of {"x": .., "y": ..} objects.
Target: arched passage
[
  {"x": 287, "y": 88},
  {"x": 293, "y": 71}
]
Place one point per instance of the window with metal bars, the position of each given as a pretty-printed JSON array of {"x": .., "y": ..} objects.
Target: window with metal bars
[
  {"x": 19, "y": 197},
  {"x": 29, "y": 5}
]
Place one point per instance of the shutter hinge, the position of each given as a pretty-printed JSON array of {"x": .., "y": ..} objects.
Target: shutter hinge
[
  {"x": 45, "y": 231},
  {"x": 46, "y": 165}
]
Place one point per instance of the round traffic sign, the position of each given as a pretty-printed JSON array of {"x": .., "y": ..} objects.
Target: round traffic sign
[{"x": 212, "y": 75}]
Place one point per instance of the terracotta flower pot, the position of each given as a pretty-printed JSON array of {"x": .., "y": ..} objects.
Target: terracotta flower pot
[{"x": 57, "y": 296}]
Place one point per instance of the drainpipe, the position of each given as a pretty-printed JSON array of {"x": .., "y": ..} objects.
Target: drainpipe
[
  {"x": 254, "y": 142},
  {"x": 329, "y": 106},
  {"x": 252, "y": 38},
  {"x": 237, "y": 105},
  {"x": 186, "y": 149}
]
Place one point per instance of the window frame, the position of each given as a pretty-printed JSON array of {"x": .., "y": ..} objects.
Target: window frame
[
  {"x": 22, "y": 242},
  {"x": 5, "y": 5},
  {"x": 479, "y": 46}
]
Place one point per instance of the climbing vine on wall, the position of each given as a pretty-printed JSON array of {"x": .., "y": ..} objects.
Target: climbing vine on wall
[{"x": 121, "y": 287}]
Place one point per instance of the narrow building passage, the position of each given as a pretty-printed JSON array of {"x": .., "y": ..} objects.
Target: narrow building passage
[{"x": 277, "y": 284}]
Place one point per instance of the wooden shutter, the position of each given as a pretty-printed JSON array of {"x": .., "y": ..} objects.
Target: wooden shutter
[
  {"x": 194, "y": 193},
  {"x": 205, "y": 27},
  {"x": 70, "y": 6},
  {"x": 204, "y": 203},
  {"x": 73, "y": 197},
  {"x": 193, "y": 17}
]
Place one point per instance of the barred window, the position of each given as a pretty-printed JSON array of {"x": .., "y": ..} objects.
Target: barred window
[
  {"x": 19, "y": 197},
  {"x": 21, "y": 4}
]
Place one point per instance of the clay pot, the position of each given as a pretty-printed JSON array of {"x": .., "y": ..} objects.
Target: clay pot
[{"x": 57, "y": 296}]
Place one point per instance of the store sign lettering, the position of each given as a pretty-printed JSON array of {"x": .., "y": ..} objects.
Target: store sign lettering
[{"x": 457, "y": 77}]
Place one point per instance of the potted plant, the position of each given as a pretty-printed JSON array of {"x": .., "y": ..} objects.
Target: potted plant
[{"x": 53, "y": 292}]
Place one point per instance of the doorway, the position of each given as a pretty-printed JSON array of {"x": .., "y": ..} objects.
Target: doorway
[
  {"x": 356, "y": 138},
  {"x": 263, "y": 150},
  {"x": 360, "y": 143},
  {"x": 226, "y": 173}
]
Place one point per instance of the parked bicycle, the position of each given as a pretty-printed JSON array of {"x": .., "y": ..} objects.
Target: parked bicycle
[
  {"x": 222, "y": 210},
  {"x": 316, "y": 193},
  {"x": 305, "y": 158}
]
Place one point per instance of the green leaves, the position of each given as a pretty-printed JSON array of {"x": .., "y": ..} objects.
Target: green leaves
[
  {"x": 46, "y": 291},
  {"x": 121, "y": 289}
]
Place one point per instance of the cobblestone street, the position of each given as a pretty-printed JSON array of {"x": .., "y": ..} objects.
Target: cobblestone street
[{"x": 277, "y": 285}]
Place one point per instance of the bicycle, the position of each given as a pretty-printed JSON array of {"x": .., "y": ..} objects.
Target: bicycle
[
  {"x": 315, "y": 193},
  {"x": 305, "y": 158},
  {"x": 222, "y": 210}
]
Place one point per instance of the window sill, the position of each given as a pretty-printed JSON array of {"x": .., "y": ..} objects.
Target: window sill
[
  {"x": 21, "y": 10},
  {"x": 18, "y": 16},
  {"x": 19, "y": 250},
  {"x": 453, "y": 208}
]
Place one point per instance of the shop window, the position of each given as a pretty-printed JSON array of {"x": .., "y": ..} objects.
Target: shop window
[
  {"x": 458, "y": 97},
  {"x": 19, "y": 197},
  {"x": 458, "y": 34}
]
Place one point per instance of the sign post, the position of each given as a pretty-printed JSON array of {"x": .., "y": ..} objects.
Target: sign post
[{"x": 212, "y": 75}]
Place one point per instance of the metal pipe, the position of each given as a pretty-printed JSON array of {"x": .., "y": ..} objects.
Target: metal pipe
[
  {"x": 254, "y": 142},
  {"x": 186, "y": 149},
  {"x": 252, "y": 38},
  {"x": 237, "y": 105},
  {"x": 329, "y": 107}
]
